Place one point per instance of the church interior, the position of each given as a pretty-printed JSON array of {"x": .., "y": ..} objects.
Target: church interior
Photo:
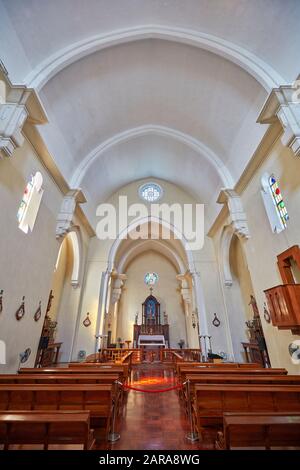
[{"x": 118, "y": 329}]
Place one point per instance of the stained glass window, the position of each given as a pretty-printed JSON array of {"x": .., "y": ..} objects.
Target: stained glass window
[
  {"x": 30, "y": 203},
  {"x": 151, "y": 279},
  {"x": 150, "y": 192},
  {"x": 278, "y": 200},
  {"x": 25, "y": 200}
]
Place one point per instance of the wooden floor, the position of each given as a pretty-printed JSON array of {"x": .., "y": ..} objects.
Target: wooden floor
[{"x": 153, "y": 421}]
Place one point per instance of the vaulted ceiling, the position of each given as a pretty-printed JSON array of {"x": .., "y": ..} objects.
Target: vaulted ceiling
[{"x": 151, "y": 88}]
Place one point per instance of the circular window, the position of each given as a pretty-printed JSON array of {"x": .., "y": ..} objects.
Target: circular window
[
  {"x": 151, "y": 279},
  {"x": 150, "y": 192}
]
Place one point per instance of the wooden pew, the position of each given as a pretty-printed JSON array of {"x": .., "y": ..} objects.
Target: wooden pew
[
  {"x": 183, "y": 371},
  {"x": 87, "y": 366},
  {"x": 218, "y": 365},
  {"x": 95, "y": 398},
  {"x": 46, "y": 428},
  {"x": 242, "y": 379},
  {"x": 267, "y": 430},
  {"x": 212, "y": 400},
  {"x": 249, "y": 378},
  {"x": 103, "y": 369},
  {"x": 68, "y": 379},
  {"x": 59, "y": 378}
]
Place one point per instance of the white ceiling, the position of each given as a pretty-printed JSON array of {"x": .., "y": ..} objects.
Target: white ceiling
[{"x": 163, "y": 88}]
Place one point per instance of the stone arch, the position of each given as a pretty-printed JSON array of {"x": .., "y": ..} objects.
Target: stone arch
[
  {"x": 141, "y": 221},
  {"x": 260, "y": 70}
]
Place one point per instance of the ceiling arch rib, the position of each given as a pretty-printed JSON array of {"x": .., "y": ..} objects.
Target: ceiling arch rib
[
  {"x": 260, "y": 70},
  {"x": 177, "y": 234},
  {"x": 155, "y": 245},
  {"x": 204, "y": 151}
]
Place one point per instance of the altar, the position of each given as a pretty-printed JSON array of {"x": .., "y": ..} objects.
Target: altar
[
  {"x": 151, "y": 341},
  {"x": 151, "y": 333}
]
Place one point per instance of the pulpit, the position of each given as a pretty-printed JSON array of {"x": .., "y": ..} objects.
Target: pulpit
[{"x": 151, "y": 324}]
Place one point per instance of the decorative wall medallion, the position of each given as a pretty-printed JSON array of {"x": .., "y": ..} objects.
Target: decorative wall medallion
[
  {"x": 87, "y": 322},
  {"x": 25, "y": 355},
  {"x": 216, "y": 322},
  {"x": 267, "y": 315},
  {"x": 1, "y": 301},
  {"x": 21, "y": 310},
  {"x": 38, "y": 313},
  {"x": 81, "y": 355}
]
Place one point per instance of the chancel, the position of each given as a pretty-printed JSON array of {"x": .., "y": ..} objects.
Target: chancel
[
  {"x": 151, "y": 334},
  {"x": 150, "y": 229}
]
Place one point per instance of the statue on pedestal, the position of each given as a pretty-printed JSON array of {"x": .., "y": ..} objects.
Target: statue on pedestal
[
  {"x": 136, "y": 318},
  {"x": 165, "y": 318}
]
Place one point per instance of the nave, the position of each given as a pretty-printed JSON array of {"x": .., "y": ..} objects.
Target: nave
[
  {"x": 150, "y": 419},
  {"x": 150, "y": 225}
]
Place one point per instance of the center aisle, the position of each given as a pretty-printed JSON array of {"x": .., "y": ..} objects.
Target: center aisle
[{"x": 153, "y": 421}]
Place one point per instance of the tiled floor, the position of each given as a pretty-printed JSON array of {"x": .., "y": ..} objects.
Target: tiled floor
[{"x": 153, "y": 420}]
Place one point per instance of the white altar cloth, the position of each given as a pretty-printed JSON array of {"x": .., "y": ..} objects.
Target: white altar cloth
[{"x": 151, "y": 340}]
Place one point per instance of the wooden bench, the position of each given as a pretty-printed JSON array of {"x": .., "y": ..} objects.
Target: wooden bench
[
  {"x": 242, "y": 379},
  {"x": 46, "y": 428},
  {"x": 212, "y": 400},
  {"x": 195, "y": 379},
  {"x": 183, "y": 371},
  {"x": 259, "y": 430},
  {"x": 88, "y": 366},
  {"x": 95, "y": 398},
  {"x": 103, "y": 369},
  {"x": 218, "y": 365},
  {"x": 59, "y": 378}
]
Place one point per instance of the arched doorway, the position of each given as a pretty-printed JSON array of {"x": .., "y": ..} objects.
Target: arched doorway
[
  {"x": 238, "y": 288},
  {"x": 64, "y": 296}
]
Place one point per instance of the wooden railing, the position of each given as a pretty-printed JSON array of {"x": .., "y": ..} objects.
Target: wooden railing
[{"x": 137, "y": 356}]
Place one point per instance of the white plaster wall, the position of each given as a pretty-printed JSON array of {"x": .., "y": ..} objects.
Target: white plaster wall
[
  {"x": 27, "y": 261},
  {"x": 263, "y": 247}
]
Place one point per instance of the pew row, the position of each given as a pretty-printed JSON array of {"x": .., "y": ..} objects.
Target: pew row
[
  {"x": 210, "y": 401},
  {"x": 95, "y": 398},
  {"x": 46, "y": 429},
  {"x": 103, "y": 369},
  {"x": 59, "y": 378},
  {"x": 183, "y": 371},
  {"x": 218, "y": 365},
  {"x": 259, "y": 430},
  {"x": 87, "y": 366},
  {"x": 241, "y": 379}
]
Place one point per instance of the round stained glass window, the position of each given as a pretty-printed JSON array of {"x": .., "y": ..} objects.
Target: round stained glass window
[
  {"x": 151, "y": 279},
  {"x": 150, "y": 192}
]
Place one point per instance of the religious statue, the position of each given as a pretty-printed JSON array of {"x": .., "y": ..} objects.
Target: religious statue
[
  {"x": 165, "y": 318},
  {"x": 254, "y": 306},
  {"x": 136, "y": 317}
]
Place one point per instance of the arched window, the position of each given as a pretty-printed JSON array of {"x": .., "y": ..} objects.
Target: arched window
[
  {"x": 30, "y": 203},
  {"x": 274, "y": 203}
]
